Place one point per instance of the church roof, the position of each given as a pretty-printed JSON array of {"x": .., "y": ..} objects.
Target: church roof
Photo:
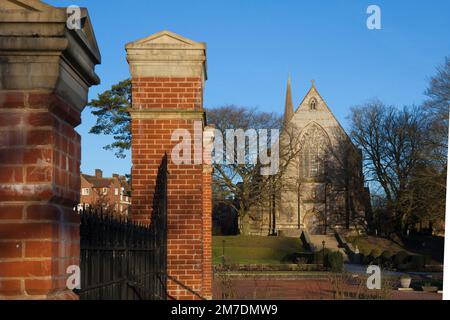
[{"x": 313, "y": 93}]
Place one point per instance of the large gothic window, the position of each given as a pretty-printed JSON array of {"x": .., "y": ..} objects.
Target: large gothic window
[{"x": 312, "y": 155}]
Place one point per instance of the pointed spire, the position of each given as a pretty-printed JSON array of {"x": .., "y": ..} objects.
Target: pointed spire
[
  {"x": 288, "y": 107},
  {"x": 313, "y": 83}
]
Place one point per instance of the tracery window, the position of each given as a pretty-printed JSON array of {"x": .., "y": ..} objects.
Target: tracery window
[
  {"x": 312, "y": 156},
  {"x": 311, "y": 162}
]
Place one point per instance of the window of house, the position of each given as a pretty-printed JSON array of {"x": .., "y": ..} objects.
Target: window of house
[
  {"x": 105, "y": 190},
  {"x": 116, "y": 191},
  {"x": 85, "y": 191}
]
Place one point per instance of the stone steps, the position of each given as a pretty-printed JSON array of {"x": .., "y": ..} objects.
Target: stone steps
[
  {"x": 290, "y": 233},
  {"x": 331, "y": 243}
]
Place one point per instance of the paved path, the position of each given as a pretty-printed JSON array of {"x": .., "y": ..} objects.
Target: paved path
[
  {"x": 361, "y": 269},
  {"x": 305, "y": 289}
]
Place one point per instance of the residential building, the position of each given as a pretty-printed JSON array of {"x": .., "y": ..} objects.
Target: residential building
[{"x": 108, "y": 194}]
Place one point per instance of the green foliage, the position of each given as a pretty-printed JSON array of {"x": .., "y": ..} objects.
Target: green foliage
[
  {"x": 373, "y": 257},
  {"x": 364, "y": 251},
  {"x": 375, "y": 253},
  {"x": 319, "y": 256},
  {"x": 417, "y": 262},
  {"x": 335, "y": 261},
  {"x": 414, "y": 263},
  {"x": 299, "y": 258},
  {"x": 368, "y": 259},
  {"x": 400, "y": 258},
  {"x": 386, "y": 259},
  {"x": 386, "y": 255},
  {"x": 111, "y": 108}
]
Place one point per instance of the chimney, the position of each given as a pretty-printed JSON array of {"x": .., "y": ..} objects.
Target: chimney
[
  {"x": 115, "y": 175},
  {"x": 98, "y": 173}
]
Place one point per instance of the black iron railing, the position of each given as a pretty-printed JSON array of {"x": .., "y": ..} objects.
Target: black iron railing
[{"x": 122, "y": 260}]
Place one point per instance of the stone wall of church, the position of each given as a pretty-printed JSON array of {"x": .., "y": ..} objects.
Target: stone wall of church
[{"x": 322, "y": 185}]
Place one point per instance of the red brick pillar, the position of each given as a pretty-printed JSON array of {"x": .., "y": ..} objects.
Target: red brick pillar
[
  {"x": 46, "y": 72},
  {"x": 208, "y": 138},
  {"x": 168, "y": 74}
]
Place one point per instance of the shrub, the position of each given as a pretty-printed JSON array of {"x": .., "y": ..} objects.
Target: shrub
[
  {"x": 364, "y": 251},
  {"x": 366, "y": 259},
  {"x": 373, "y": 257},
  {"x": 298, "y": 258},
  {"x": 400, "y": 258},
  {"x": 362, "y": 259},
  {"x": 319, "y": 255},
  {"x": 375, "y": 253},
  {"x": 417, "y": 263},
  {"x": 405, "y": 267},
  {"x": 386, "y": 255},
  {"x": 335, "y": 261},
  {"x": 386, "y": 259}
]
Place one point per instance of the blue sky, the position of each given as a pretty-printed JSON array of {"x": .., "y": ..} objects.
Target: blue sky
[{"x": 254, "y": 45}]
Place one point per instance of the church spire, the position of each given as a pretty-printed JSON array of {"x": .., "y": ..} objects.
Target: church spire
[{"x": 288, "y": 107}]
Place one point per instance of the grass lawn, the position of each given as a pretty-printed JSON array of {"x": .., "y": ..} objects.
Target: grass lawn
[
  {"x": 432, "y": 247},
  {"x": 254, "y": 249},
  {"x": 368, "y": 243}
]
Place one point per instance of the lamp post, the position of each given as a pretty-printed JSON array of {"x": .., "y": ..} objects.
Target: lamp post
[{"x": 323, "y": 253}]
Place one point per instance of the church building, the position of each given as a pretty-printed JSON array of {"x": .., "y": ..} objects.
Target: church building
[{"x": 320, "y": 185}]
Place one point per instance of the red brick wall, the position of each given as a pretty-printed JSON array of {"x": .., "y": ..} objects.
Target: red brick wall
[
  {"x": 167, "y": 92},
  {"x": 188, "y": 225},
  {"x": 39, "y": 185},
  {"x": 207, "y": 232}
]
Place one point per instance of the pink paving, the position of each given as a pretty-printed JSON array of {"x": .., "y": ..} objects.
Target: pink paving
[{"x": 299, "y": 289}]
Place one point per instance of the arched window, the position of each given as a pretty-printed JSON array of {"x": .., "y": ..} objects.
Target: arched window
[
  {"x": 311, "y": 160},
  {"x": 312, "y": 156},
  {"x": 313, "y": 104}
]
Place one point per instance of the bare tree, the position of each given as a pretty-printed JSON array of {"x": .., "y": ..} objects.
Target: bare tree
[
  {"x": 392, "y": 141},
  {"x": 241, "y": 185},
  {"x": 429, "y": 183},
  {"x": 103, "y": 203}
]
